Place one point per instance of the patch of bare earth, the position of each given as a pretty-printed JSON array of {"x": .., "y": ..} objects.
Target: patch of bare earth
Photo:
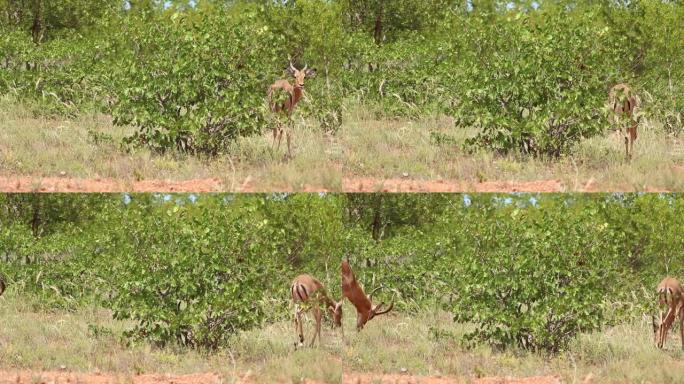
[
  {"x": 67, "y": 184},
  {"x": 64, "y": 377},
  {"x": 47, "y": 377},
  {"x": 409, "y": 185},
  {"x": 368, "y": 378},
  {"x": 9, "y": 184},
  {"x": 58, "y": 377}
]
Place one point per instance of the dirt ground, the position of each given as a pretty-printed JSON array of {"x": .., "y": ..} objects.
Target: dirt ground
[
  {"x": 356, "y": 184},
  {"x": 366, "y": 378},
  {"x": 63, "y": 377}
]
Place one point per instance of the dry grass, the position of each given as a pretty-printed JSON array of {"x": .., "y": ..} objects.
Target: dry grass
[
  {"x": 427, "y": 344},
  {"x": 88, "y": 340},
  {"x": 364, "y": 147}
]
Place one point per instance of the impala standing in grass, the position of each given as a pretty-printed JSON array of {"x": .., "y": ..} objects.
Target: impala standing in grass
[
  {"x": 622, "y": 103},
  {"x": 285, "y": 105},
  {"x": 351, "y": 289},
  {"x": 670, "y": 294},
  {"x": 309, "y": 293}
]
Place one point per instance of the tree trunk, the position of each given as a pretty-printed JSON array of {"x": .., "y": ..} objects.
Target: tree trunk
[
  {"x": 378, "y": 32},
  {"x": 38, "y": 27},
  {"x": 376, "y": 226}
]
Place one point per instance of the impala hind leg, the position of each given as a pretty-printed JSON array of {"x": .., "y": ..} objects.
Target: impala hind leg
[
  {"x": 317, "y": 332},
  {"x": 298, "y": 327}
]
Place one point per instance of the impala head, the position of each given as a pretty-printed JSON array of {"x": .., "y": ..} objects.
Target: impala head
[
  {"x": 336, "y": 312},
  {"x": 300, "y": 75},
  {"x": 375, "y": 310}
]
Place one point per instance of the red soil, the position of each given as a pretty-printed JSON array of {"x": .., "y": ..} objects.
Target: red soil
[
  {"x": 349, "y": 184},
  {"x": 365, "y": 378},
  {"x": 60, "y": 377},
  {"x": 67, "y": 184},
  {"x": 63, "y": 377}
]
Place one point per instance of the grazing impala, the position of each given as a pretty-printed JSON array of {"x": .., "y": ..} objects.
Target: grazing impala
[
  {"x": 351, "y": 289},
  {"x": 309, "y": 293},
  {"x": 293, "y": 95},
  {"x": 670, "y": 293},
  {"x": 622, "y": 103}
]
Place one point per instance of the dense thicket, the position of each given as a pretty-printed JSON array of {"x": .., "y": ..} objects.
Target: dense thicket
[
  {"x": 532, "y": 76},
  {"x": 528, "y": 270}
]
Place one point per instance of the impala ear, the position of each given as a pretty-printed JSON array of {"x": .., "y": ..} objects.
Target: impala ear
[{"x": 311, "y": 73}]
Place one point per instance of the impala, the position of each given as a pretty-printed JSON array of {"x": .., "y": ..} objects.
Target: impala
[
  {"x": 670, "y": 294},
  {"x": 351, "y": 289},
  {"x": 309, "y": 293},
  {"x": 294, "y": 94},
  {"x": 622, "y": 103}
]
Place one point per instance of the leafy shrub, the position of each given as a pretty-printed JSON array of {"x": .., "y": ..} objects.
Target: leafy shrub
[
  {"x": 198, "y": 81},
  {"x": 196, "y": 270},
  {"x": 536, "y": 277},
  {"x": 194, "y": 279},
  {"x": 536, "y": 86}
]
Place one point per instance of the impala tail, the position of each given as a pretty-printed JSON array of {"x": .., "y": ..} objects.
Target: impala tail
[{"x": 309, "y": 294}]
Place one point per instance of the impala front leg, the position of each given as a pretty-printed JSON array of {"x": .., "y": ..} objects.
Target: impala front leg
[
  {"x": 665, "y": 327},
  {"x": 288, "y": 135},
  {"x": 632, "y": 139},
  {"x": 627, "y": 147},
  {"x": 681, "y": 324},
  {"x": 275, "y": 137}
]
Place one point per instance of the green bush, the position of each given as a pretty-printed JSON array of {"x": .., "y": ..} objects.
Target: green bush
[
  {"x": 195, "y": 271},
  {"x": 536, "y": 86},
  {"x": 198, "y": 81},
  {"x": 534, "y": 278}
]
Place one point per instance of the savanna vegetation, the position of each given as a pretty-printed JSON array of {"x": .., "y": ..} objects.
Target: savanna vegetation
[
  {"x": 483, "y": 285},
  {"x": 475, "y": 90}
]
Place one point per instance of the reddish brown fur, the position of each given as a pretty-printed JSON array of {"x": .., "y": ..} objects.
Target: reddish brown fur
[
  {"x": 670, "y": 294},
  {"x": 295, "y": 93},
  {"x": 305, "y": 288},
  {"x": 363, "y": 304},
  {"x": 623, "y": 101}
]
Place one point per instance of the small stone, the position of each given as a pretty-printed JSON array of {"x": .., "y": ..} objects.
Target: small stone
[
  {"x": 62, "y": 367},
  {"x": 405, "y": 174},
  {"x": 403, "y": 370},
  {"x": 62, "y": 173}
]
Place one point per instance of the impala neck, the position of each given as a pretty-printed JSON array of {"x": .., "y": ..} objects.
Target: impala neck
[{"x": 297, "y": 94}]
